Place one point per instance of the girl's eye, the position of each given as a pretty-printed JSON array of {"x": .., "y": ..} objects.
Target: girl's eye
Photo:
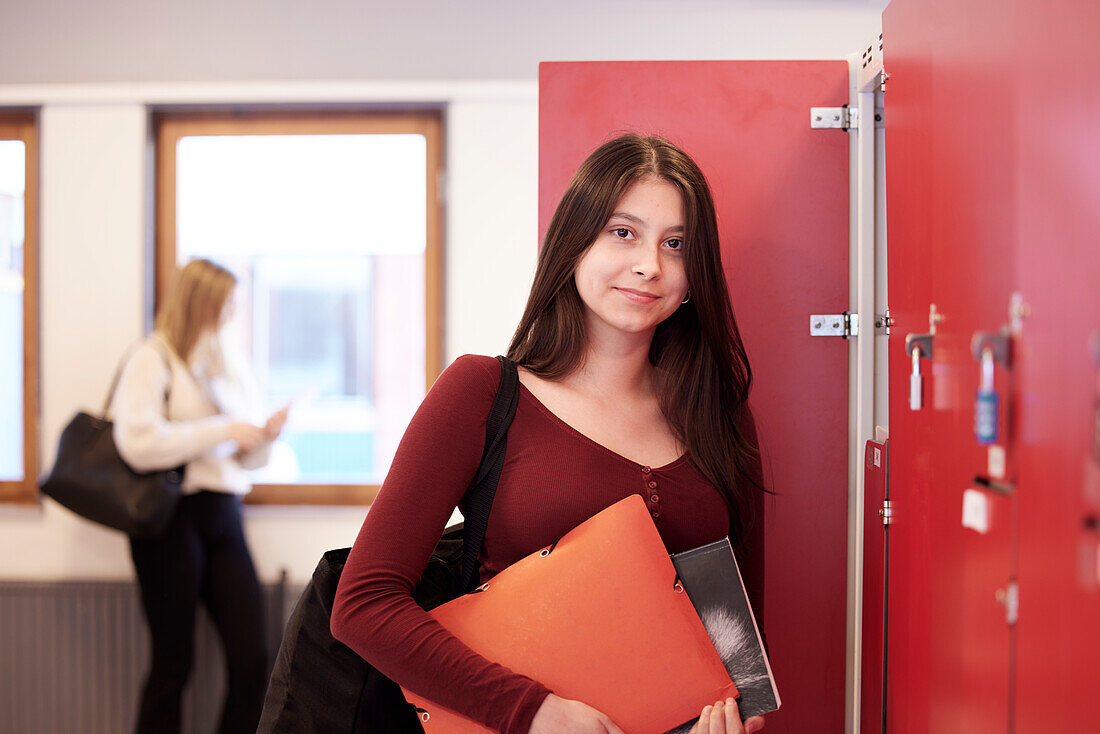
[
  {"x": 622, "y": 232},
  {"x": 674, "y": 244}
]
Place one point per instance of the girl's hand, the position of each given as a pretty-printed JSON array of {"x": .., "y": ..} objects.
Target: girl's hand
[
  {"x": 247, "y": 436},
  {"x": 275, "y": 423},
  {"x": 725, "y": 718},
  {"x": 565, "y": 716}
]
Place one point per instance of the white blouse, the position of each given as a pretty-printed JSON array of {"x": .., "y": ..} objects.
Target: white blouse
[{"x": 193, "y": 427}]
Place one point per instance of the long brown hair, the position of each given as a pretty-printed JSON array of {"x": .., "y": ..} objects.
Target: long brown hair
[
  {"x": 703, "y": 371},
  {"x": 194, "y": 304}
]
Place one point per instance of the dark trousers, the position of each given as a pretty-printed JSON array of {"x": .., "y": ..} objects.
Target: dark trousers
[{"x": 202, "y": 556}]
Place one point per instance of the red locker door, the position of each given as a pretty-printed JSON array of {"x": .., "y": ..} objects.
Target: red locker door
[
  {"x": 910, "y": 281},
  {"x": 1058, "y": 216},
  {"x": 950, "y": 192},
  {"x": 781, "y": 190}
]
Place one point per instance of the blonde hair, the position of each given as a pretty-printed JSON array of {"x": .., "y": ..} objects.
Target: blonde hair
[{"x": 194, "y": 304}]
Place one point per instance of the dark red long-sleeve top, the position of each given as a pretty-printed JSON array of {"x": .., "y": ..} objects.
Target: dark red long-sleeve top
[{"x": 554, "y": 478}]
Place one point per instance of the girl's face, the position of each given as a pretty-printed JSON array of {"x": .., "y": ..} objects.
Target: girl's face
[{"x": 632, "y": 277}]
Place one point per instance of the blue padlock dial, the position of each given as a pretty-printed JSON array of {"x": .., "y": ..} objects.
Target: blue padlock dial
[{"x": 985, "y": 417}]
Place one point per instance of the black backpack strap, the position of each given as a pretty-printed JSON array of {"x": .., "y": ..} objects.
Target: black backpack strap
[{"x": 479, "y": 497}]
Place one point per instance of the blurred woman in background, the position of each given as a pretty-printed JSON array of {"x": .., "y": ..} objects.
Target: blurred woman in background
[{"x": 180, "y": 402}]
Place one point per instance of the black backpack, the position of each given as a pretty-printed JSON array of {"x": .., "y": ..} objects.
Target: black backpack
[{"x": 320, "y": 685}]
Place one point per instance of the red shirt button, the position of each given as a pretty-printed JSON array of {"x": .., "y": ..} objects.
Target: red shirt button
[
  {"x": 652, "y": 484},
  {"x": 646, "y": 470},
  {"x": 653, "y": 498},
  {"x": 655, "y": 513}
]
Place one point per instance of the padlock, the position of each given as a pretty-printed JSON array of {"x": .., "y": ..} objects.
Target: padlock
[
  {"x": 1095, "y": 349},
  {"x": 989, "y": 349},
  {"x": 916, "y": 385},
  {"x": 985, "y": 407},
  {"x": 917, "y": 346},
  {"x": 985, "y": 417}
]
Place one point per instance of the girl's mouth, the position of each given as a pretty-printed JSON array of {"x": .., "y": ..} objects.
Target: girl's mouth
[{"x": 638, "y": 296}]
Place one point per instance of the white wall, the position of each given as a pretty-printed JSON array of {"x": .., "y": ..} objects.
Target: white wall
[
  {"x": 477, "y": 59},
  {"x": 94, "y": 256},
  {"x": 75, "y": 41}
]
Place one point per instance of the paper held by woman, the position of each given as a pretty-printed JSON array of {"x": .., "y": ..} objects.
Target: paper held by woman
[{"x": 598, "y": 617}]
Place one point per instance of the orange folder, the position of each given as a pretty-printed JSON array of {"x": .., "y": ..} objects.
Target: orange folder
[{"x": 599, "y": 617}]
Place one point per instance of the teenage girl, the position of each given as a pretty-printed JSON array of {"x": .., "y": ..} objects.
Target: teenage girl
[{"x": 633, "y": 381}]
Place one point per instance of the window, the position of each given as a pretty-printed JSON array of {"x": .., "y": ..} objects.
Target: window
[
  {"x": 18, "y": 308},
  {"x": 332, "y": 226}
]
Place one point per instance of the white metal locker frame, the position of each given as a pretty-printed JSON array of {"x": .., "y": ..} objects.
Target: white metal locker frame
[{"x": 867, "y": 297}]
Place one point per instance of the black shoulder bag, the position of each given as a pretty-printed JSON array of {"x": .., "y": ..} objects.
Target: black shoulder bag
[
  {"x": 321, "y": 686},
  {"x": 91, "y": 479}
]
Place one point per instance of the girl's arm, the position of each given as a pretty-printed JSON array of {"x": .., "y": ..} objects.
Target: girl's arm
[
  {"x": 146, "y": 440},
  {"x": 374, "y": 612}
]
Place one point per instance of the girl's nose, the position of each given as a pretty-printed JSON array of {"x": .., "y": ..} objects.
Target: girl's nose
[{"x": 648, "y": 263}]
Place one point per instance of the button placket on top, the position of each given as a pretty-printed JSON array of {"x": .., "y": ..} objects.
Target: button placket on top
[{"x": 653, "y": 498}]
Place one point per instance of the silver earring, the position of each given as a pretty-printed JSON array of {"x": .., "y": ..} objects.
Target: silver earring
[{"x": 687, "y": 297}]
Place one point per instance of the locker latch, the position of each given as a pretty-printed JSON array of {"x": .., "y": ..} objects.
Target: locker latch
[{"x": 834, "y": 324}]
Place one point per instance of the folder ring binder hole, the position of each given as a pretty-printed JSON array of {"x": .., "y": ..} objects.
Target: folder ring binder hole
[
  {"x": 679, "y": 587},
  {"x": 544, "y": 552}
]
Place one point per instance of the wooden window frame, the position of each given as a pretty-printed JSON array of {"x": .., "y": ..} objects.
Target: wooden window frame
[
  {"x": 170, "y": 126},
  {"x": 24, "y": 126}
]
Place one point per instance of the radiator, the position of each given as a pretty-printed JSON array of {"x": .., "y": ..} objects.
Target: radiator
[{"x": 73, "y": 656}]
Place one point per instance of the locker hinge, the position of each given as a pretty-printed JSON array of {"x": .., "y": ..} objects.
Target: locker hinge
[
  {"x": 841, "y": 118},
  {"x": 834, "y": 324},
  {"x": 1009, "y": 598},
  {"x": 883, "y": 322},
  {"x": 887, "y": 512}
]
